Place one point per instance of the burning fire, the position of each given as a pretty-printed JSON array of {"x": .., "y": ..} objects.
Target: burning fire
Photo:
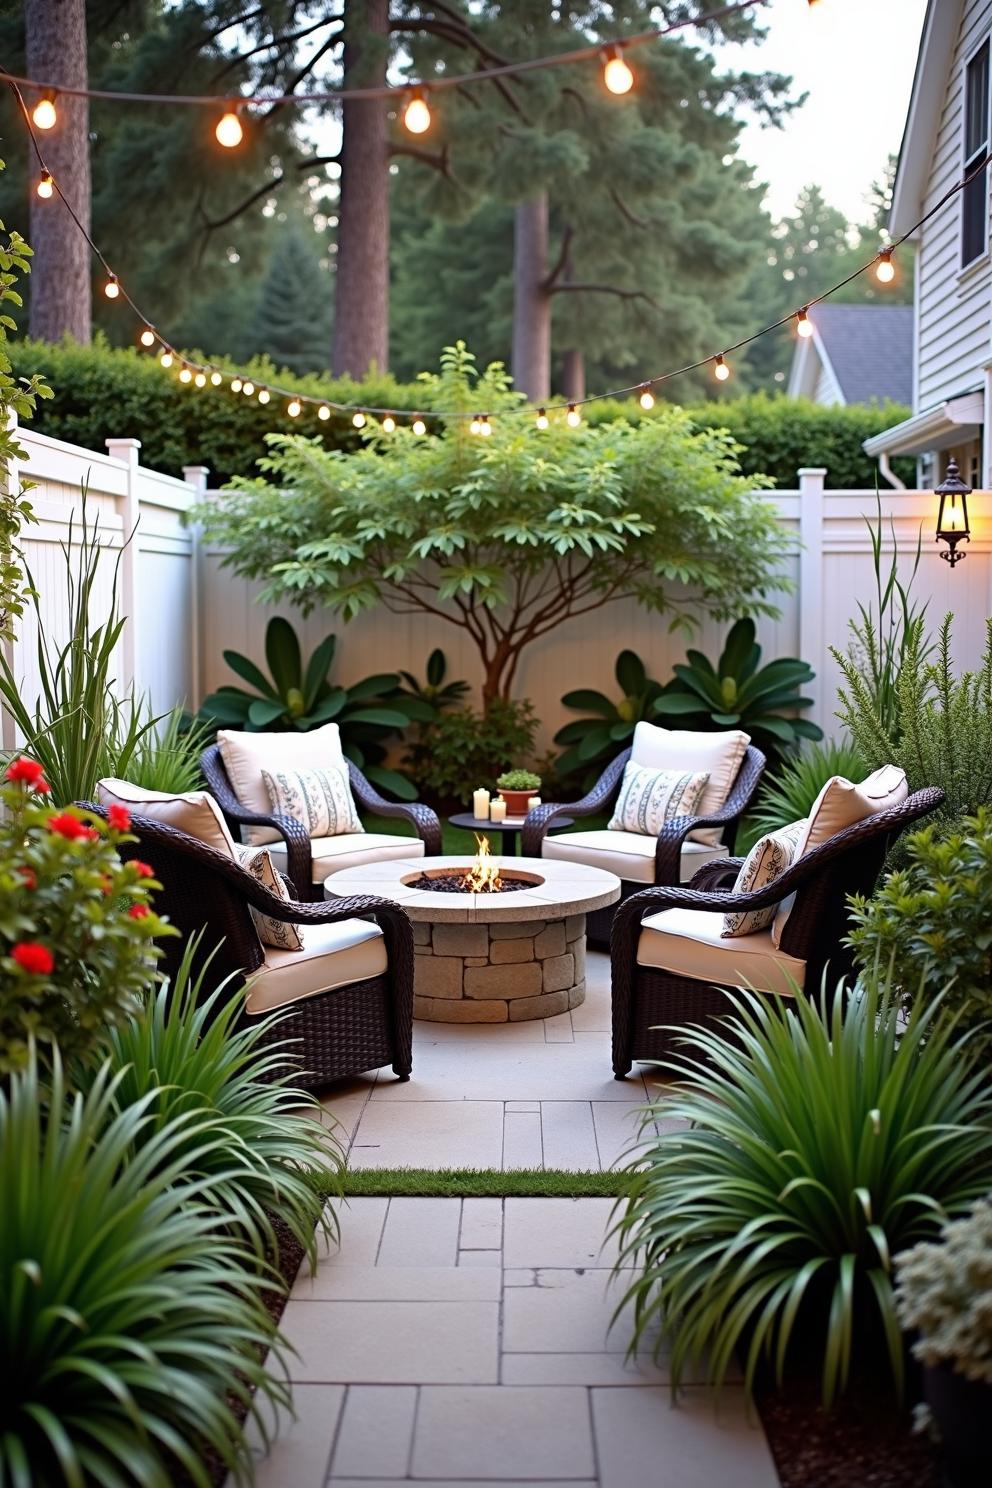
[{"x": 483, "y": 876}]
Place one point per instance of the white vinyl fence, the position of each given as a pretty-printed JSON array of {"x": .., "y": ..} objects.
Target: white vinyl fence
[{"x": 185, "y": 609}]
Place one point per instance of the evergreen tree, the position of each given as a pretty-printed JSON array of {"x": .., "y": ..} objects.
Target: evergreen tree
[{"x": 292, "y": 324}]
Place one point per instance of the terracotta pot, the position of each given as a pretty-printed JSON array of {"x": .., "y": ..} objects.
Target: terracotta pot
[
  {"x": 961, "y": 1408},
  {"x": 516, "y": 801}
]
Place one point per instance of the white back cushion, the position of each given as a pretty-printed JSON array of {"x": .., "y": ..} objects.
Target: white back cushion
[
  {"x": 246, "y": 755},
  {"x": 718, "y": 755},
  {"x": 195, "y": 812}
]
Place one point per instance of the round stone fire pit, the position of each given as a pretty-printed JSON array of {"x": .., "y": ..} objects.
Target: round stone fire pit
[{"x": 491, "y": 957}]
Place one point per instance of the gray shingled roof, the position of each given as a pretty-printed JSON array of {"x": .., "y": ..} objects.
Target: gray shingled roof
[{"x": 870, "y": 349}]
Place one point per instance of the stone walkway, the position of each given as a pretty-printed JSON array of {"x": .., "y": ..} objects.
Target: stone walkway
[{"x": 450, "y": 1341}]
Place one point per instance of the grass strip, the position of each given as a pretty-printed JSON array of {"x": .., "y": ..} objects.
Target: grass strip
[{"x": 481, "y": 1183}]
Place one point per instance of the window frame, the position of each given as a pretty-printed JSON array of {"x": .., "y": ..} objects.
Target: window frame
[{"x": 972, "y": 251}]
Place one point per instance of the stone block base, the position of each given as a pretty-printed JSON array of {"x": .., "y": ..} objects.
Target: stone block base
[{"x": 499, "y": 973}]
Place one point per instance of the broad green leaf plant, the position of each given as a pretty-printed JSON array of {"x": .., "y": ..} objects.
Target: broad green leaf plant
[
  {"x": 594, "y": 740},
  {"x": 505, "y": 537}
]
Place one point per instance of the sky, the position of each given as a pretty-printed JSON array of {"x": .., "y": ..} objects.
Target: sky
[{"x": 855, "y": 58}]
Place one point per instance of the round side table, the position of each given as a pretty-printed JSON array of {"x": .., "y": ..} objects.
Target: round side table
[{"x": 511, "y": 827}]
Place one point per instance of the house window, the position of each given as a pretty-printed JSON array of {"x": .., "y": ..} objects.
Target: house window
[{"x": 974, "y": 200}]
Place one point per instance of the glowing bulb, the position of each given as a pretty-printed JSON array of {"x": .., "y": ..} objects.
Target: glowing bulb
[
  {"x": 45, "y": 114},
  {"x": 358, "y": 419},
  {"x": 418, "y": 426},
  {"x": 165, "y": 360},
  {"x": 720, "y": 370},
  {"x": 804, "y": 326},
  {"x": 416, "y": 115},
  {"x": 885, "y": 269},
  {"x": 323, "y": 412},
  {"x": 616, "y": 74},
  {"x": 216, "y": 379},
  {"x": 112, "y": 289},
  {"x": 573, "y": 417},
  {"x": 185, "y": 375},
  {"x": 388, "y": 424},
  {"x": 475, "y": 427},
  {"x": 248, "y": 388},
  {"x": 293, "y": 407},
  {"x": 646, "y": 399},
  {"x": 263, "y": 395},
  {"x": 45, "y": 186},
  {"x": 200, "y": 380},
  {"x": 147, "y": 337},
  {"x": 229, "y": 132},
  {"x": 235, "y": 384},
  {"x": 542, "y": 419},
  {"x": 485, "y": 427}
]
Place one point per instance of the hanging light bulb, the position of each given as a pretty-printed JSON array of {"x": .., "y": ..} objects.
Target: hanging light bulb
[
  {"x": 200, "y": 380},
  {"x": 323, "y": 412},
  {"x": 147, "y": 337},
  {"x": 229, "y": 132},
  {"x": 165, "y": 360},
  {"x": 112, "y": 289},
  {"x": 248, "y": 388},
  {"x": 542, "y": 419},
  {"x": 573, "y": 417},
  {"x": 418, "y": 425},
  {"x": 235, "y": 384},
  {"x": 475, "y": 427},
  {"x": 293, "y": 407},
  {"x": 185, "y": 375},
  {"x": 388, "y": 424},
  {"x": 417, "y": 115},
  {"x": 804, "y": 326},
  {"x": 358, "y": 419},
  {"x": 885, "y": 269},
  {"x": 720, "y": 369},
  {"x": 485, "y": 427},
  {"x": 646, "y": 399},
  {"x": 264, "y": 395},
  {"x": 45, "y": 114},
  {"x": 46, "y": 186},
  {"x": 216, "y": 379},
  {"x": 616, "y": 74}
]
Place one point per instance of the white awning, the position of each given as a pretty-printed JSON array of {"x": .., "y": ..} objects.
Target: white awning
[{"x": 952, "y": 422}]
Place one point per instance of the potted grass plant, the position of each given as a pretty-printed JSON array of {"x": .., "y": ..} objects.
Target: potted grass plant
[{"x": 516, "y": 788}]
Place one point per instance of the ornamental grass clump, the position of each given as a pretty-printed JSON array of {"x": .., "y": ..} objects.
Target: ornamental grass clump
[
  {"x": 821, "y": 1140},
  {"x": 132, "y": 1332}
]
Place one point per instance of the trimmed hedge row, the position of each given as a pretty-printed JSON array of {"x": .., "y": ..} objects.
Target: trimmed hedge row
[{"x": 102, "y": 391}]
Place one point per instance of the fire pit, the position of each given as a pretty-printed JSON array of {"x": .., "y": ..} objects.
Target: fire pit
[{"x": 493, "y": 944}]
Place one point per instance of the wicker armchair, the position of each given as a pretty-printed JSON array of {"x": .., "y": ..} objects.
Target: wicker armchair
[
  {"x": 652, "y": 1000},
  {"x": 354, "y": 1025},
  {"x": 299, "y": 860},
  {"x": 671, "y": 853}
]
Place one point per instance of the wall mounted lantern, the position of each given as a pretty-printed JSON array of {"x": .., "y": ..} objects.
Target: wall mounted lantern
[{"x": 952, "y": 514}]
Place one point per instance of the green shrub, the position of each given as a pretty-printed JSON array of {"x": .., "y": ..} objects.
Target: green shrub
[
  {"x": 944, "y": 1295},
  {"x": 825, "y": 1140},
  {"x": 518, "y": 780},
  {"x": 468, "y": 749},
  {"x": 591, "y": 742},
  {"x": 131, "y": 1326},
  {"x": 929, "y": 924},
  {"x": 167, "y": 756},
  {"x": 789, "y": 795},
  {"x": 76, "y": 925}
]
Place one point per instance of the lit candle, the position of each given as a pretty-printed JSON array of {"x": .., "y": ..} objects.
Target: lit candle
[
  {"x": 533, "y": 801},
  {"x": 480, "y": 805},
  {"x": 497, "y": 811}
]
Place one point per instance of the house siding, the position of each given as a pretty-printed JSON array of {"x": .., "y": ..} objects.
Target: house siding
[{"x": 954, "y": 327}]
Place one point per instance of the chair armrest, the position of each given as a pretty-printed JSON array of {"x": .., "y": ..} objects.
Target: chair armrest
[
  {"x": 668, "y": 852},
  {"x": 299, "y": 859},
  {"x": 425, "y": 821},
  {"x": 538, "y": 821},
  {"x": 719, "y": 874}
]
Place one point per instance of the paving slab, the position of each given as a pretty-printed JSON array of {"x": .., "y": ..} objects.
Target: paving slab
[
  {"x": 534, "y": 1432},
  {"x": 376, "y": 1431},
  {"x": 399, "y": 1343},
  {"x": 642, "y": 1438},
  {"x": 429, "y": 1134}
]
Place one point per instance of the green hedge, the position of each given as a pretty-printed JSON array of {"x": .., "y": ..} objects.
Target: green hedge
[{"x": 101, "y": 391}]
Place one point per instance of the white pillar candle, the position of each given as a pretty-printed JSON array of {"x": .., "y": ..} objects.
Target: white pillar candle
[
  {"x": 480, "y": 805},
  {"x": 497, "y": 811},
  {"x": 533, "y": 801}
]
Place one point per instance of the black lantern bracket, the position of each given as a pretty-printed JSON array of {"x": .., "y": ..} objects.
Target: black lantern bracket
[{"x": 952, "y": 513}]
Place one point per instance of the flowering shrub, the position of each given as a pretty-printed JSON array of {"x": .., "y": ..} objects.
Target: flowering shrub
[{"x": 76, "y": 922}]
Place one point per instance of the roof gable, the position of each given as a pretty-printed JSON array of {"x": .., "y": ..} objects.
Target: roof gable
[{"x": 941, "y": 26}]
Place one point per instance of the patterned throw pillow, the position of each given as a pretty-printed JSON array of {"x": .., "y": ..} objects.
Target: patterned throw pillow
[
  {"x": 768, "y": 859},
  {"x": 649, "y": 799},
  {"x": 320, "y": 799},
  {"x": 279, "y": 934}
]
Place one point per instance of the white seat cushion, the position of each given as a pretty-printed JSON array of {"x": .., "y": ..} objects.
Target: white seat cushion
[
  {"x": 247, "y": 754},
  {"x": 718, "y": 754},
  {"x": 627, "y": 854},
  {"x": 351, "y": 850},
  {"x": 333, "y": 956},
  {"x": 689, "y": 942}
]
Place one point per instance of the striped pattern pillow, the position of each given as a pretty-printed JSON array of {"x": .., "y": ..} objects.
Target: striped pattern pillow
[
  {"x": 649, "y": 799},
  {"x": 320, "y": 799},
  {"x": 767, "y": 861}
]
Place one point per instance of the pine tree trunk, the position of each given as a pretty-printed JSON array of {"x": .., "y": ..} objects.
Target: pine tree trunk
[
  {"x": 573, "y": 375},
  {"x": 531, "y": 358},
  {"x": 361, "y": 285},
  {"x": 55, "y": 38}
]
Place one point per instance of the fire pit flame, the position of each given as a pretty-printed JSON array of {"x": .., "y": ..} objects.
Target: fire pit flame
[{"x": 483, "y": 876}]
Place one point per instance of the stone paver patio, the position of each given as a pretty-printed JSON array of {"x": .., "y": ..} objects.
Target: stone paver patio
[{"x": 450, "y": 1341}]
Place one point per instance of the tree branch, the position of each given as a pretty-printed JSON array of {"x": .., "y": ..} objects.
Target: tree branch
[
  {"x": 625, "y": 211},
  {"x": 611, "y": 289},
  {"x": 277, "y": 42},
  {"x": 558, "y": 268},
  {"x": 437, "y": 160}
]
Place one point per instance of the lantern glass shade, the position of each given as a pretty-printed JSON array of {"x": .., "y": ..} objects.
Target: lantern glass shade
[{"x": 952, "y": 513}]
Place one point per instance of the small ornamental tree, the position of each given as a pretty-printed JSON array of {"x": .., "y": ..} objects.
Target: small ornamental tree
[{"x": 509, "y": 536}]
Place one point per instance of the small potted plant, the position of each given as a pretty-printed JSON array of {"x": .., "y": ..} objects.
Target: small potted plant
[
  {"x": 944, "y": 1294},
  {"x": 516, "y": 788}
]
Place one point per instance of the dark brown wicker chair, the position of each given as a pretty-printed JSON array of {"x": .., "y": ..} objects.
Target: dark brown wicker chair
[
  {"x": 651, "y": 1006},
  {"x": 299, "y": 862},
  {"x": 668, "y": 850},
  {"x": 345, "y": 1031}
]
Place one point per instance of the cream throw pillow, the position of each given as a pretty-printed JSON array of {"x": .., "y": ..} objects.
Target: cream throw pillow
[
  {"x": 246, "y": 755},
  {"x": 768, "y": 860},
  {"x": 320, "y": 799},
  {"x": 195, "y": 812},
  {"x": 719, "y": 755},
  {"x": 839, "y": 805},
  {"x": 649, "y": 799},
  {"x": 279, "y": 934}
]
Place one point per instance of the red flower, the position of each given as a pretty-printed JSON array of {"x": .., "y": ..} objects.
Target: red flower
[
  {"x": 138, "y": 911},
  {"x": 143, "y": 870},
  {"x": 28, "y": 772},
  {"x": 119, "y": 818},
  {"x": 32, "y": 957},
  {"x": 28, "y": 877},
  {"x": 68, "y": 825}
]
